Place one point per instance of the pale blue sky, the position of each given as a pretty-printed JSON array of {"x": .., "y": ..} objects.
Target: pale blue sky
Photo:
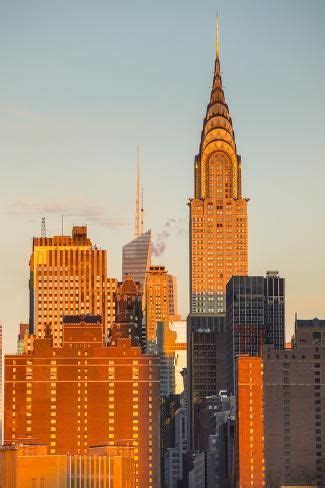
[{"x": 82, "y": 83}]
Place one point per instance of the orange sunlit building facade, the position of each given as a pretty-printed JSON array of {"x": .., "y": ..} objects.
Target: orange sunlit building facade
[
  {"x": 157, "y": 306},
  {"x": 30, "y": 466},
  {"x": 85, "y": 394},
  {"x": 68, "y": 276},
  {"x": 250, "y": 421},
  {"x": 218, "y": 212}
]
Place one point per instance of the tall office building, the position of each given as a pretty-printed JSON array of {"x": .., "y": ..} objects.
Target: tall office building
[
  {"x": 86, "y": 394},
  {"x": 206, "y": 362},
  {"x": 250, "y": 423},
  {"x": 218, "y": 244},
  {"x": 68, "y": 275},
  {"x": 136, "y": 257},
  {"x": 274, "y": 309},
  {"x": 156, "y": 303},
  {"x": 255, "y": 315},
  {"x": 218, "y": 213},
  {"x": 294, "y": 409}
]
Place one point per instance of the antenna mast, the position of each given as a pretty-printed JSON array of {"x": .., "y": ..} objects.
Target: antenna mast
[
  {"x": 142, "y": 211},
  {"x": 43, "y": 228},
  {"x": 137, "y": 231}
]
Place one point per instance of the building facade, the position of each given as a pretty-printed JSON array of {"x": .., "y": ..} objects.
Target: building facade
[
  {"x": 255, "y": 315},
  {"x": 136, "y": 257},
  {"x": 68, "y": 275},
  {"x": 294, "y": 408},
  {"x": 206, "y": 360},
  {"x": 274, "y": 309},
  {"x": 173, "y": 302},
  {"x": 250, "y": 423},
  {"x": 156, "y": 303},
  {"x": 218, "y": 213},
  {"x": 30, "y": 466},
  {"x": 128, "y": 310},
  {"x": 86, "y": 394},
  {"x": 218, "y": 226}
]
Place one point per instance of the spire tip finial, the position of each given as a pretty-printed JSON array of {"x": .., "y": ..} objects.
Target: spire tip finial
[{"x": 217, "y": 35}]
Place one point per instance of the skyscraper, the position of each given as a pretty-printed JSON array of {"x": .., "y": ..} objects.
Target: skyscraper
[
  {"x": 250, "y": 423},
  {"x": 156, "y": 303},
  {"x": 129, "y": 311},
  {"x": 218, "y": 244},
  {"x": 274, "y": 309},
  {"x": 218, "y": 213},
  {"x": 136, "y": 257},
  {"x": 68, "y": 275},
  {"x": 255, "y": 315},
  {"x": 206, "y": 356},
  {"x": 86, "y": 394}
]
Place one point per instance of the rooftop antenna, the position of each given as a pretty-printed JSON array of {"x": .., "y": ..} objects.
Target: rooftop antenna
[
  {"x": 142, "y": 211},
  {"x": 62, "y": 224},
  {"x": 137, "y": 230},
  {"x": 43, "y": 228}
]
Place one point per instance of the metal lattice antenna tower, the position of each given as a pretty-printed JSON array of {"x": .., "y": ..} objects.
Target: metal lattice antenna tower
[
  {"x": 137, "y": 230},
  {"x": 43, "y": 228}
]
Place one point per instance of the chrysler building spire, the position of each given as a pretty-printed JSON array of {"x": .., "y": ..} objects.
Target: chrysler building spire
[
  {"x": 217, "y": 36},
  {"x": 218, "y": 213}
]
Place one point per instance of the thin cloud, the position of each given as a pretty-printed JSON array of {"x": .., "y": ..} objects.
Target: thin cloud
[{"x": 78, "y": 208}]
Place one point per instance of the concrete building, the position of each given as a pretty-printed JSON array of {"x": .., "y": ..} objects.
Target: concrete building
[
  {"x": 250, "y": 423},
  {"x": 30, "y": 466},
  {"x": 156, "y": 303},
  {"x": 84, "y": 394},
  {"x": 136, "y": 257},
  {"x": 173, "y": 302},
  {"x": 68, "y": 275},
  {"x": 294, "y": 408},
  {"x": 129, "y": 313}
]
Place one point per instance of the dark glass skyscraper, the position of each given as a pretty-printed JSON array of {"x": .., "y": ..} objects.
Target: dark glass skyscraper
[
  {"x": 274, "y": 312},
  {"x": 206, "y": 353},
  {"x": 255, "y": 315}
]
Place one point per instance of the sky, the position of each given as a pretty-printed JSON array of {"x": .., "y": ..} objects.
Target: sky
[{"x": 83, "y": 83}]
